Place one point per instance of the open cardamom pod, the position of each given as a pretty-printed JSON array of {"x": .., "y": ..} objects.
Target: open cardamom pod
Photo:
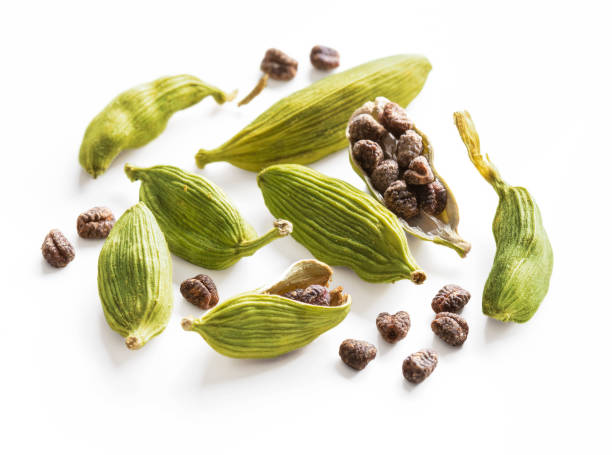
[
  {"x": 135, "y": 277},
  {"x": 199, "y": 221},
  {"x": 339, "y": 224},
  {"x": 380, "y": 134},
  {"x": 139, "y": 115},
  {"x": 309, "y": 124},
  {"x": 520, "y": 276},
  {"x": 266, "y": 323}
]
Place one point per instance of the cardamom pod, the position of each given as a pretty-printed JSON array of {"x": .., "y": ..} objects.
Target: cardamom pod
[
  {"x": 135, "y": 277},
  {"x": 199, "y": 221},
  {"x": 438, "y": 226},
  {"x": 264, "y": 323},
  {"x": 139, "y": 115},
  {"x": 309, "y": 124},
  {"x": 520, "y": 276},
  {"x": 339, "y": 224}
]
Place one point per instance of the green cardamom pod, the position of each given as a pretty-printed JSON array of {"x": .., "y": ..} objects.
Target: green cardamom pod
[
  {"x": 139, "y": 115},
  {"x": 339, "y": 224},
  {"x": 438, "y": 226},
  {"x": 199, "y": 221},
  {"x": 135, "y": 277},
  {"x": 520, "y": 276},
  {"x": 263, "y": 323},
  {"x": 309, "y": 124}
]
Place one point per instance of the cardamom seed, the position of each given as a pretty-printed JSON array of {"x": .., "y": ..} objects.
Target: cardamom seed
[
  {"x": 199, "y": 221},
  {"x": 339, "y": 224},
  {"x": 309, "y": 124},
  {"x": 264, "y": 323},
  {"x": 437, "y": 216},
  {"x": 135, "y": 277},
  {"x": 139, "y": 115},
  {"x": 520, "y": 276}
]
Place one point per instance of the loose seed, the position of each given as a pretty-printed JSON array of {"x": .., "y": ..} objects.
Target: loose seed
[
  {"x": 393, "y": 327},
  {"x": 451, "y": 328},
  {"x": 418, "y": 366},
  {"x": 200, "y": 291},
  {"x": 57, "y": 250},
  {"x": 357, "y": 353},
  {"x": 324, "y": 58}
]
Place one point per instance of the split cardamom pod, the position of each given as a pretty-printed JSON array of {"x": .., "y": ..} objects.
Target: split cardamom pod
[
  {"x": 309, "y": 124},
  {"x": 199, "y": 221},
  {"x": 264, "y": 323},
  {"x": 395, "y": 160},
  {"x": 339, "y": 224},
  {"x": 139, "y": 115},
  {"x": 520, "y": 276},
  {"x": 135, "y": 277}
]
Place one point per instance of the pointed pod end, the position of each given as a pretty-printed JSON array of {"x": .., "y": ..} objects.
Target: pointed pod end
[
  {"x": 202, "y": 158},
  {"x": 283, "y": 227},
  {"x": 131, "y": 171},
  {"x": 418, "y": 277},
  {"x": 133, "y": 343},
  {"x": 187, "y": 323}
]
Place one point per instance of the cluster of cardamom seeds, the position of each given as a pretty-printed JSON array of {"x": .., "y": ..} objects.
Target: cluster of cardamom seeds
[{"x": 389, "y": 149}]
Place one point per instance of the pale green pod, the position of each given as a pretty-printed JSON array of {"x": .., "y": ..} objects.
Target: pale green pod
[
  {"x": 199, "y": 221},
  {"x": 441, "y": 228},
  {"x": 339, "y": 224},
  {"x": 520, "y": 276},
  {"x": 139, "y": 115},
  {"x": 309, "y": 124},
  {"x": 135, "y": 277},
  {"x": 262, "y": 323}
]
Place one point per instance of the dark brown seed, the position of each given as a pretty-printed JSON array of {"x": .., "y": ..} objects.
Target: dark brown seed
[
  {"x": 400, "y": 200},
  {"x": 324, "y": 58},
  {"x": 314, "y": 294},
  {"x": 419, "y": 172},
  {"x": 384, "y": 175},
  {"x": 451, "y": 328},
  {"x": 56, "y": 249},
  {"x": 364, "y": 126},
  {"x": 356, "y": 353},
  {"x": 201, "y": 291},
  {"x": 409, "y": 146},
  {"x": 95, "y": 223},
  {"x": 420, "y": 365},
  {"x": 395, "y": 120},
  {"x": 451, "y": 298},
  {"x": 393, "y": 327},
  {"x": 432, "y": 197},
  {"x": 279, "y": 65},
  {"x": 368, "y": 154}
]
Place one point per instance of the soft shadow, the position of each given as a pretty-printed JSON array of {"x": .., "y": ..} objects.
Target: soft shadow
[
  {"x": 84, "y": 177},
  {"x": 314, "y": 74},
  {"x": 345, "y": 370},
  {"x": 48, "y": 269},
  {"x": 114, "y": 343},
  {"x": 384, "y": 346},
  {"x": 221, "y": 369},
  {"x": 443, "y": 348},
  {"x": 495, "y": 330},
  {"x": 409, "y": 386}
]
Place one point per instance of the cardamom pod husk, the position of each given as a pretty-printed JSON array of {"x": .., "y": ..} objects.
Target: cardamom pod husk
[
  {"x": 438, "y": 228},
  {"x": 309, "y": 124},
  {"x": 139, "y": 115},
  {"x": 199, "y": 221},
  {"x": 135, "y": 277},
  {"x": 520, "y": 276},
  {"x": 263, "y": 323},
  {"x": 339, "y": 224}
]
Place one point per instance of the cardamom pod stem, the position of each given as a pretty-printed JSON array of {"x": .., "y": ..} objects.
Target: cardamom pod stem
[
  {"x": 520, "y": 276},
  {"x": 199, "y": 221},
  {"x": 309, "y": 124},
  {"x": 139, "y": 115},
  {"x": 135, "y": 277}
]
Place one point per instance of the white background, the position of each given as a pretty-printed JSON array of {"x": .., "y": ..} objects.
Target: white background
[{"x": 536, "y": 78}]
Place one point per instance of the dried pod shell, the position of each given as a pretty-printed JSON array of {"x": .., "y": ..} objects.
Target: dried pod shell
[
  {"x": 139, "y": 115},
  {"x": 199, "y": 221},
  {"x": 520, "y": 276},
  {"x": 439, "y": 228},
  {"x": 309, "y": 124},
  {"x": 263, "y": 323},
  {"x": 339, "y": 224},
  {"x": 135, "y": 277}
]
